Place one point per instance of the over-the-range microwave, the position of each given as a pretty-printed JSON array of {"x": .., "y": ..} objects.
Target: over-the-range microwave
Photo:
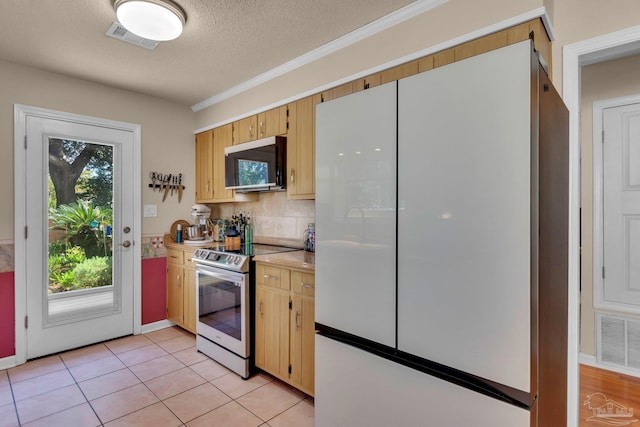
[{"x": 256, "y": 165}]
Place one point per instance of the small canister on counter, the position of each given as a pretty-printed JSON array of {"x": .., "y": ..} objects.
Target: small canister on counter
[
  {"x": 179, "y": 233},
  {"x": 310, "y": 237}
]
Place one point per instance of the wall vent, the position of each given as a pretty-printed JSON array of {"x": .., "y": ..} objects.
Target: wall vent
[
  {"x": 618, "y": 341},
  {"x": 117, "y": 31}
]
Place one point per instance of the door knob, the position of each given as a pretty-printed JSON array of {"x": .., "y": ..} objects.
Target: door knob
[
  {"x": 126, "y": 229},
  {"x": 126, "y": 243}
]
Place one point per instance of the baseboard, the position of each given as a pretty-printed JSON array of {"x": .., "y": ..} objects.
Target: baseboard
[
  {"x": 8, "y": 362},
  {"x": 589, "y": 360},
  {"x": 161, "y": 324}
]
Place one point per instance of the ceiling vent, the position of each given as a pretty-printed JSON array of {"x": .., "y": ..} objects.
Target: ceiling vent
[{"x": 117, "y": 31}]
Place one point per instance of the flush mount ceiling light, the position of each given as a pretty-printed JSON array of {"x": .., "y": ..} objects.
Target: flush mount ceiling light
[{"x": 159, "y": 20}]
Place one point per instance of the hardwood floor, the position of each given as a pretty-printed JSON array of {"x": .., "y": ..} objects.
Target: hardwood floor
[{"x": 608, "y": 398}]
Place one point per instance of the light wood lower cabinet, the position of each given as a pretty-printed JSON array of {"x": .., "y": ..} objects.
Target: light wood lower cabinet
[
  {"x": 285, "y": 328},
  {"x": 181, "y": 289}
]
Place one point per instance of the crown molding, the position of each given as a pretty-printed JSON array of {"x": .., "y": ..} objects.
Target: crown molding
[
  {"x": 388, "y": 21},
  {"x": 507, "y": 23}
]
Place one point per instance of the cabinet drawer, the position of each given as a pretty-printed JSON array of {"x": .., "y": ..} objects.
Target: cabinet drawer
[
  {"x": 303, "y": 283},
  {"x": 274, "y": 277},
  {"x": 188, "y": 255},
  {"x": 175, "y": 256}
]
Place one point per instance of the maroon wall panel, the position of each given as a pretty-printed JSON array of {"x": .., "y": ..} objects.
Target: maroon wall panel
[
  {"x": 7, "y": 315},
  {"x": 154, "y": 294}
]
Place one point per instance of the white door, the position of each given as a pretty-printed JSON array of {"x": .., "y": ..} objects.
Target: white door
[
  {"x": 79, "y": 269},
  {"x": 621, "y": 205}
]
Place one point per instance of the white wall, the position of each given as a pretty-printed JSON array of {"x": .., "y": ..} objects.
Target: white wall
[{"x": 167, "y": 133}]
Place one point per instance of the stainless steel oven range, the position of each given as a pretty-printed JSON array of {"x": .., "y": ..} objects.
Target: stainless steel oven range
[
  {"x": 225, "y": 303},
  {"x": 223, "y": 308}
]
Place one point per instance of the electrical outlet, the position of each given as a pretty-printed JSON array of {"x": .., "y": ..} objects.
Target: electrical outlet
[{"x": 150, "y": 211}]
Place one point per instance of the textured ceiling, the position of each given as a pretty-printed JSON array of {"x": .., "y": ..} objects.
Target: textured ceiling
[{"x": 225, "y": 42}]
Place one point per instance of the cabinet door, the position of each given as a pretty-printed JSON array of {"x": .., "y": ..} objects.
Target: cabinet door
[
  {"x": 189, "y": 296},
  {"x": 259, "y": 331},
  {"x": 272, "y": 331},
  {"x": 221, "y": 139},
  {"x": 175, "y": 294},
  {"x": 272, "y": 122},
  {"x": 366, "y": 82},
  {"x": 301, "y": 149},
  {"x": 303, "y": 283},
  {"x": 302, "y": 343},
  {"x": 204, "y": 167},
  {"x": 245, "y": 130},
  {"x": 399, "y": 72}
]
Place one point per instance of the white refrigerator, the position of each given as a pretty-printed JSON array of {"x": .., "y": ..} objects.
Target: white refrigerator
[{"x": 439, "y": 242}]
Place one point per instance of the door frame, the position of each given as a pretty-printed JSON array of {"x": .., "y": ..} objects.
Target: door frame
[
  {"x": 574, "y": 56},
  {"x": 20, "y": 119},
  {"x": 598, "y": 195}
]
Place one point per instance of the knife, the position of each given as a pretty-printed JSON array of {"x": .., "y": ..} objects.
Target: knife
[
  {"x": 173, "y": 182},
  {"x": 166, "y": 187},
  {"x": 179, "y": 188}
]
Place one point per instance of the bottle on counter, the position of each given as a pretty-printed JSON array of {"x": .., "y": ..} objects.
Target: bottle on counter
[
  {"x": 179, "y": 233},
  {"x": 248, "y": 232},
  {"x": 310, "y": 237}
]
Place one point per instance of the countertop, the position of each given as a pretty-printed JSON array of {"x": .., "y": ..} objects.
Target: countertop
[
  {"x": 301, "y": 260},
  {"x": 170, "y": 243}
]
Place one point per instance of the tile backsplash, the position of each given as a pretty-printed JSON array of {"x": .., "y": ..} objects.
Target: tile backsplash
[{"x": 273, "y": 215}]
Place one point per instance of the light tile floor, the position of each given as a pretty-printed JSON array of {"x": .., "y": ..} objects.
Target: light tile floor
[{"x": 157, "y": 379}]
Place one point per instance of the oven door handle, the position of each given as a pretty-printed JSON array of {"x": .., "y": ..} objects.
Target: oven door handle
[{"x": 230, "y": 277}]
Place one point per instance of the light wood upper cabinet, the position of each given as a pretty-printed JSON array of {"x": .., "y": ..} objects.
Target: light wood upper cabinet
[
  {"x": 204, "y": 166},
  {"x": 210, "y": 185},
  {"x": 301, "y": 148},
  {"x": 541, "y": 41},
  {"x": 245, "y": 130},
  {"x": 366, "y": 82},
  {"x": 481, "y": 45},
  {"x": 268, "y": 123},
  {"x": 342, "y": 90},
  {"x": 399, "y": 72},
  {"x": 273, "y": 122},
  {"x": 221, "y": 139}
]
